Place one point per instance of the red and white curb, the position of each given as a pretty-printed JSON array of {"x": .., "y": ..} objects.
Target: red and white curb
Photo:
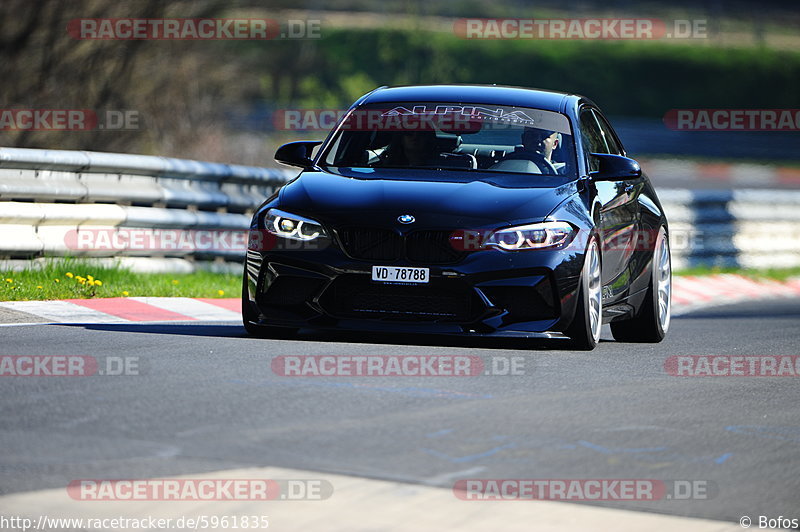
[
  {"x": 130, "y": 309},
  {"x": 689, "y": 293}
]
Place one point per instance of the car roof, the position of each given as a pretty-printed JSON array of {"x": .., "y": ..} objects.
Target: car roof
[{"x": 491, "y": 94}]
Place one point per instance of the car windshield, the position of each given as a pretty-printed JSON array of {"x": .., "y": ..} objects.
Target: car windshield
[{"x": 443, "y": 136}]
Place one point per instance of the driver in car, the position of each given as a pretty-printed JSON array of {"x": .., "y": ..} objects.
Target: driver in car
[{"x": 538, "y": 146}]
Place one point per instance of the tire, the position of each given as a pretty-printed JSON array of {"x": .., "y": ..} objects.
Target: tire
[
  {"x": 650, "y": 325},
  {"x": 584, "y": 331},
  {"x": 260, "y": 331}
]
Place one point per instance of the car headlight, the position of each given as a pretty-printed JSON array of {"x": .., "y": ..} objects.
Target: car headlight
[
  {"x": 292, "y": 226},
  {"x": 533, "y": 236}
]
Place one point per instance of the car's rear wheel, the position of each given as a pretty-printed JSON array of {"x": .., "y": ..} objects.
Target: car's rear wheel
[
  {"x": 584, "y": 332},
  {"x": 652, "y": 322},
  {"x": 249, "y": 316}
]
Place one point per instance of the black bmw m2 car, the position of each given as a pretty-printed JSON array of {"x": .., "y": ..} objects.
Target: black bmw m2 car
[{"x": 475, "y": 210}]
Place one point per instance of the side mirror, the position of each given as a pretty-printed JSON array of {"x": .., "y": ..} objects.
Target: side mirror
[
  {"x": 297, "y": 153},
  {"x": 615, "y": 168}
]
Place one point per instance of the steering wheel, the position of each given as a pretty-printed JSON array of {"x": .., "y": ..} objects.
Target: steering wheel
[{"x": 544, "y": 165}]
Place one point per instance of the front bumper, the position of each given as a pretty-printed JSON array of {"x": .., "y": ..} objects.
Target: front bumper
[{"x": 485, "y": 292}]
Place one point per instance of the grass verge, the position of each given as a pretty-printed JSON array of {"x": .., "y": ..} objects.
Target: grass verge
[{"x": 81, "y": 279}]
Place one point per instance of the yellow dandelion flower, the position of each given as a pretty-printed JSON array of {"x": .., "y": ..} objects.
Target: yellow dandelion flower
[
  {"x": 98, "y": 283},
  {"x": 39, "y": 287},
  {"x": 9, "y": 280},
  {"x": 57, "y": 280},
  {"x": 82, "y": 281},
  {"x": 90, "y": 277},
  {"x": 69, "y": 274},
  {"x": 125, "y": 293},
  {"x": 220, "y": 292},
  {"x": 175, "y": 281}
]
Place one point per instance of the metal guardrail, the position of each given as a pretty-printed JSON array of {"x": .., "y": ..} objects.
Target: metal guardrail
[
  {"x": 749, "y": 228},
  {"x": 47, "y": 197}
]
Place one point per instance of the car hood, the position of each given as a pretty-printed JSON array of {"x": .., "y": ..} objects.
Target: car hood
[{"x": 379, "y": 197}]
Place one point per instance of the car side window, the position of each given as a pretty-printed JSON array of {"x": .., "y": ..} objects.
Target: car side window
[
  {"x": 608, "y": 133},
  {"x": 592, "y": 138}
]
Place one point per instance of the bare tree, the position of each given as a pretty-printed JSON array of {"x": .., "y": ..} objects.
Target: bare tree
[{"x": 175, "y": 88}]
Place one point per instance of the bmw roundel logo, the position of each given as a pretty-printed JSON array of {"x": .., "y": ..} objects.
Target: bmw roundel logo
[{"x": 406, "y": 219}]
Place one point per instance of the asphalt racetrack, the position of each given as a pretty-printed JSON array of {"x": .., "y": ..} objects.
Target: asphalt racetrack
[{"x": 207, "y": 399}]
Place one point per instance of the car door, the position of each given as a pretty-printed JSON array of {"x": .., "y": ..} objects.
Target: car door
[
  {"x": 628, "y": 209},
  {"x": 615, "y": 223}
]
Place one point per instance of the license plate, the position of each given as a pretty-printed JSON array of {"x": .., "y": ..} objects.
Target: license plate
[{"x": 400, "y": 274}]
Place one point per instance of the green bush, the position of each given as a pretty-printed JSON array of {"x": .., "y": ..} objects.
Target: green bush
[{"x": 624, "y": 78}]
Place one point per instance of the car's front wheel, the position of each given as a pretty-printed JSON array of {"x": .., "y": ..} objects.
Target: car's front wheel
[
  {"x": 652, "y": 322},
  {"x": 584, "y": 332}
]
